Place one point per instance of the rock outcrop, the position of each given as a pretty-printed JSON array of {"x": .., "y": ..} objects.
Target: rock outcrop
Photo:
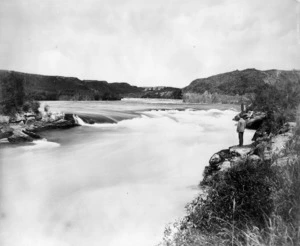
[
  {"x": 254, "y": 119},
  {"x": 260, "y": 150},
  {"x": 225, "y": 159},
  {"x": 20, "y": 135},
  {"x": 25, "y": 127},
  {"x": 5, "y": 131}
]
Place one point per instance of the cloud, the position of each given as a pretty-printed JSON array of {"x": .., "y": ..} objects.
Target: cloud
[{"x": 147, "y": 43}]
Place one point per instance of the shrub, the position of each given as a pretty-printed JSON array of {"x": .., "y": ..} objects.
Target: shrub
[
  {"x": 13, "y": 94},
  {"x": 280, "y": 104},
  {"x": 251, "y": 206},
  {"x": 31, "y": 106},
  {"x": 240, "y": 196},
  {"x": 286, "y": 196}
]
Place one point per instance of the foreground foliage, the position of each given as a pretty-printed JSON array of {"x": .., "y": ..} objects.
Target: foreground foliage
[{"x": 248, "y": 205}]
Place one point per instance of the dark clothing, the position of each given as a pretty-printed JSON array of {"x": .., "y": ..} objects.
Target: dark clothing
[{"x": 241, "y": 138}]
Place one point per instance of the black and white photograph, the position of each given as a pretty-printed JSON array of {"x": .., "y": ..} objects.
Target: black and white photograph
[{"x": 149, "y": 123}]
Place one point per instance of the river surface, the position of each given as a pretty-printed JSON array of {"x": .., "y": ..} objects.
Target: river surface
[{"x": 110, "y": 184}]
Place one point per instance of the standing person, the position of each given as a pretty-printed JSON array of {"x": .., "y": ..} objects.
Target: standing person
[{"x": 240, "y": 129}]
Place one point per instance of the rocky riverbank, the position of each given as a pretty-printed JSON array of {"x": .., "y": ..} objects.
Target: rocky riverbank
[
  {"x": 25, "y": 127},
  {"x": 242, "y": 193},
  {"x": 261, "y": 150}
]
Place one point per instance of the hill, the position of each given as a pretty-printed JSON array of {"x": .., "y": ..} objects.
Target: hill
[
  {"x": 232, "y": 87},
  {"x": 16, "y": 87},
  {"x": 42, "y": 87}
]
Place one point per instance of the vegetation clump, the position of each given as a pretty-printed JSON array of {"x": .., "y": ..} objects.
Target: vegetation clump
[
  {"x": 279, "y": 104},
  {"x": 251, "y": 203},
  {"x": 248, "y": 205},
  {"x": 14, "y": 99}
]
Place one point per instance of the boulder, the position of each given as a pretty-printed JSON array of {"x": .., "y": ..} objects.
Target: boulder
[
  {"x": 17, "y": 118},
  {"x": 218, "y": 158},
  {"x": 19, "y": 136},
  {"x": 241, "y": 150},
  {"x": 255, "y": 120},
  {"x": 225, "y": 165},
  {"x": 224, "y": 154},
  {"x": 262, "y": 133},
  {"x": 69, "y": 117},
  {"x": 30, "y": 120},
  {"x": 51, "y": 117},
  {"x": 215, "y": 159},
  {"x": 56, "y": 116},
  {"x": 279, "y": 141},
  {"x": 67, "y": 121},
  {"x": 6, "y": 131},
  {"x": 32, "y": 134}
]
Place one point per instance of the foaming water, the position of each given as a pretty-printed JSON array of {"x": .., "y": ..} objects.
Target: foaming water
[{"x": 109, "y": 184}]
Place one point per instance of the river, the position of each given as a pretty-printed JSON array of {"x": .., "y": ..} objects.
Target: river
[{"x": 110, "y": 184}]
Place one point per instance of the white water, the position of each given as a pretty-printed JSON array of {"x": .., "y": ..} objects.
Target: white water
[{"x": 109, "y": 184}]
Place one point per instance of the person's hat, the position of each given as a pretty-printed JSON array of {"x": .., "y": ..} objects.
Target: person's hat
[{"x": 244, "y": 116}]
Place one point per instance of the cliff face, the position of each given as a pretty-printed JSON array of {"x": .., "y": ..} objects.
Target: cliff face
[{"x": 232, "y": 87}]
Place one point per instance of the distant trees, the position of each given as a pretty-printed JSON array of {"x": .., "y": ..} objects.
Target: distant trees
[
  {"x": 14, "y": 98},
  {"x": 13, "y": 95}
]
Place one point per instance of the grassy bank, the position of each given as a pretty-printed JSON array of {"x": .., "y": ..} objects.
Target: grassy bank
[
  {"x": 249, "y": 204},
  {"x": 254, "y": 202}
]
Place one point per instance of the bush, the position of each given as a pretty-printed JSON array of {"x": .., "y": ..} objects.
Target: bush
[
  {"x": 240, "y": 196},
  {"x": 247, "y": 205},
  {"x": 13, "y": 94},
  {"x": 286, "y": 196},
  {"x": 31, "y": 106},
  {"x": 286, "y": 189},
  {"x": 251, "y": 206},
  {"x": 280, "y": 104}
]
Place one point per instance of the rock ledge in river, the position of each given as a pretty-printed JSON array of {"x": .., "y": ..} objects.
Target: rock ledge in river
[{"x": 22, "y": 130}]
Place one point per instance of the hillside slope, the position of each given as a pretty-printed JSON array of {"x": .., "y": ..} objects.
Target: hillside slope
[
  {"x": 231, "y": 87},
  {"x": 17, "y": 85},
  {"x": 41, "y": 87}
]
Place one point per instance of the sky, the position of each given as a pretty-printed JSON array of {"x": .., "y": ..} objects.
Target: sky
[{"x": 148, "y": 42}]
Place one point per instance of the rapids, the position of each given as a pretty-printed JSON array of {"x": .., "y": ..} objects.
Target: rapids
[{"x": 110, "y": 184}]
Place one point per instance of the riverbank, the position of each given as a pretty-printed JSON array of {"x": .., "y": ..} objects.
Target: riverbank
[
  {"x": 25, "y": 126},
  {"x": 250, "y": 195}
]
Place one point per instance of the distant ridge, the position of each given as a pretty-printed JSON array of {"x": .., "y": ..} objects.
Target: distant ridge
[
  {"x": 45, "y": 87},
  {"x": 231, "y": 87}
]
